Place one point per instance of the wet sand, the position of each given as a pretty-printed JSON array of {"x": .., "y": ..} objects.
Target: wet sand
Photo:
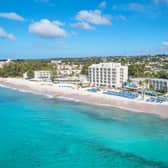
[{"x": 85, "y": 96}]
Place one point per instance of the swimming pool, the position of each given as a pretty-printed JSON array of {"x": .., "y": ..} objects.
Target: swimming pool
[
  {"x": 155, "y": 100},
  {"x": 124, "y": 94},
  {"x": 94, "y": 90}
]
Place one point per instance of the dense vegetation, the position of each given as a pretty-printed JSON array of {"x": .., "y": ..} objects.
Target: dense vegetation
[
  {"x": 19, "y": 67},
  {"x": 139, "y": 66}
]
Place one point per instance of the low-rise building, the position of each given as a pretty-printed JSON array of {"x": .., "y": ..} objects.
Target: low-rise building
[
  {"x": 81, "y": 80},
  {"x": 108, "y": 75},
  {"x": 66, "y": 72},
  {"x": 56, "y": 62},
  {"x": 5, "y": 62},
  {"x": 159, "y": 84},
  {"x": 25, "y": 76},
  {"x": 137, "y": 81},
  {"x": 67, "y": 69},
  {"x": 42, "y": 75},
  {"x": 68, "y": 80},
  {"x": 156, "y": 70}
]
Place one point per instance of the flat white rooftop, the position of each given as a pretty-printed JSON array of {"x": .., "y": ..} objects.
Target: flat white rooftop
[
  {"x": 154, "y": 79},
  {"x": 107, "y": 65}
]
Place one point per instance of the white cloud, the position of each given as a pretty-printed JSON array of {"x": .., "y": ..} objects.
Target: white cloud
[
  {"x": 58, "y": 23},
  {"x": 47, "y": 29},
  {"x": 93, "y": 17},
  {"x": 136, "y": 6},
  {"x": 5, "y": 35},
  {"x": 160, "y": 1},
  {"x": 83, "y": 25},
  {"x": 12, "y": 16},
  {"x": 165, "y": 44},
  {"x": 103, "y": 5}
]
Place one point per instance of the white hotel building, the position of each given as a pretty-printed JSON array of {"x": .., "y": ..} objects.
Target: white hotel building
[
  {"x": 108, "y": 75},
  {"x": 42, "y": 75}
]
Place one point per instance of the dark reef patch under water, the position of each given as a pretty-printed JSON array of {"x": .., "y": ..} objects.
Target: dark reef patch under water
[{"x": 37, "y": 132}]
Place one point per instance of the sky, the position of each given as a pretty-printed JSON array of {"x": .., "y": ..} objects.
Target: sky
[{"x": 80, "y": 28}]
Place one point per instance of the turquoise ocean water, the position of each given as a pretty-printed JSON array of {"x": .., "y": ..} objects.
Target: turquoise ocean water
[{"x": 38, "y": 132}]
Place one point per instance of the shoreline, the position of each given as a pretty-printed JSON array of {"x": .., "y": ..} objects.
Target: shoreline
[{"x": 83, "y": 96}]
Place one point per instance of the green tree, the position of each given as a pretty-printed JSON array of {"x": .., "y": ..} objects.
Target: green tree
[
  {"x": 30, "y": 74},
  {"x": 165, "y": 89},
  {"x": 151, "y": 87}
]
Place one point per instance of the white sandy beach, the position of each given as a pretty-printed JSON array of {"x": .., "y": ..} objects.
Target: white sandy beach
[{"x": 85, "y": 96}]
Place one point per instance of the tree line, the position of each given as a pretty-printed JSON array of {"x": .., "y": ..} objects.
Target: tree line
[{"x": 18, "y": 68}]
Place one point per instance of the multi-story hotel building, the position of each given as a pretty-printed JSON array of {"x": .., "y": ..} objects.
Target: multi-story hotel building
[{"x": 107, "y": 75}]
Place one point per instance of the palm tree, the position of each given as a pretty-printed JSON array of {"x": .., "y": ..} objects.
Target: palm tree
[
  {"x": 165, "y": 88},
  {"x": 141, "y": 84},
  {"x": 146, "y": 84},
  {"x": 151, "y": 87}
]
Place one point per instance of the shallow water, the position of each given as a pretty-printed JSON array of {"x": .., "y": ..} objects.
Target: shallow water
[{"x": 48, "y": 133}]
